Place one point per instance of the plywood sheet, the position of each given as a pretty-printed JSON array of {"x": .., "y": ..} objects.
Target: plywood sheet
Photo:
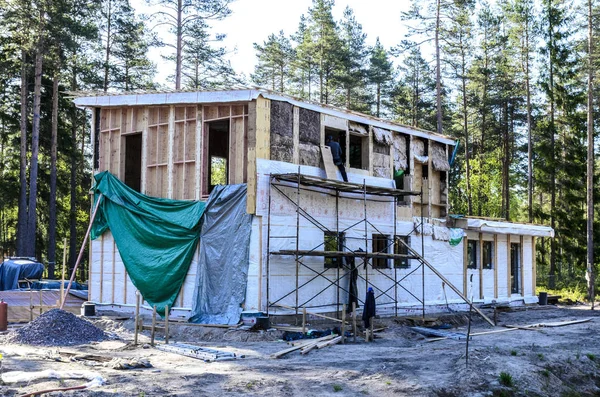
[{"x": 330, "y": 168}]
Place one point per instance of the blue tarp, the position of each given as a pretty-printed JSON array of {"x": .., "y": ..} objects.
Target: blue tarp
[{"x": 13, "y": 270}]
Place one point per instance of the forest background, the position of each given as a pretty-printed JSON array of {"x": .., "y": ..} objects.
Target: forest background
[{"x": 511, "y": 81}]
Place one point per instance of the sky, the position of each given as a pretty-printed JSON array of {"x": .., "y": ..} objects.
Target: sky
[{"x": 252, "y": 21}]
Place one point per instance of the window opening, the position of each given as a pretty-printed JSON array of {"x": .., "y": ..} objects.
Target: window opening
[
  {"x": 488, "y": 254},
  {"x": 356, "y": 152},
  {"x": 424, "y": 171},
  {"x": 340, "y": 137},
  {"x": 472, "y": 254},
  {"x": 133, "y": 161},
  {"x": 333, "y": 241},
  {"x": 218, "y": 153},
  {"x": 401, "y": 249},
  {"x": 381, "y": 243}
]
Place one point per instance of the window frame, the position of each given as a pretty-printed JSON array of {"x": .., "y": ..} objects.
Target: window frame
[
  {"x": 331, "y": 262},
  {"x": 380, "y": 263},
  {"x": 400, "y": 249},
  {"x": 472, "y": 251},
  {"x": 487, "y": 250}
]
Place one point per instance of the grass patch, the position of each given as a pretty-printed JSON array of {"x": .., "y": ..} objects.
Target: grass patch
[
  {"x": 506, "y": 379},
  {"x": 591, "y": 356},
  {"x": 541, "y": 357},
  {"x": 513, "y": 352},
  {"x": 573, "y": 294},
  {"x": 545, "y": 373},
  {"x": 337, "y": 388}
]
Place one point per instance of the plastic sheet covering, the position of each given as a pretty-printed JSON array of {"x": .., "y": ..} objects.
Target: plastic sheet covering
[
  {"x": 382, "y": 136},
  {"x": 222, "y": 273},
  {"x": 400, "y": 160},
  {"x": 156, "y": 237},
  {"x": 94, "y": 378},
  {"x": 439, "y": 159},
  {"x": 425, "y": 228},
  {"x": 456, "y": 236},
  {"x": 500, "y": 227},
  {"x": 13, "y": 270},
  {"x": 356, "y": 128}
]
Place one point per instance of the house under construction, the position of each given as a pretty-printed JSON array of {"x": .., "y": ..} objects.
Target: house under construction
[{"x": 315, "y": 241}]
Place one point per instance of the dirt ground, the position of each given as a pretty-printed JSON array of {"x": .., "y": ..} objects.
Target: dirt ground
[{"x": 558, "y": 361}]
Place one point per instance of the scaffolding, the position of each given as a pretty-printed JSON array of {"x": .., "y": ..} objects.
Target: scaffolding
[
  {"x": 346, "y": 268},
  {"x": 343, "y": 255}
]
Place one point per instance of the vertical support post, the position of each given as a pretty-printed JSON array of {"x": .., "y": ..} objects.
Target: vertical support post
[
  {"x": 422, "y": 251},
  {"x": 137, "y": 317},
  {"x": 366, "y": 259},
  {"x": 41, "y": 302},
  {"x": 354, "y": 321},
  {"x": 167, "y": 324},
  {"x": 343, "y": 323},
  {"x": 62, "y": 279},
  {"x": 303, "y": 320},
  {"x": 30, "y": 301},
  {"x": 339, "y": 247},
  {"x": 372, "y": 321},
  {"x": 268, "y": 244},
  {"x": 153, "y": 332},
  {"x": 394, "y": 261},
  {"x": 297, "y": 237}
]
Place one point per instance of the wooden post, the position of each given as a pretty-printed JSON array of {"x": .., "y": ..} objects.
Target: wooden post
[
  {"x": 372, "y": 327},
  {"x": 30, "y": 302},
  {"x": 343, "y": 323},
  {"x": 87, "y": 234},
  {"x": 304, "y": 320},
  {"x": 167, "y": 324},
  {"x": 41, "y": 301},
  {"x": 354, "y": 320},
  {"x": 137, "y": 317},
  {"x": 153, "y": 325},
  {"x": 62, "y": 280}
]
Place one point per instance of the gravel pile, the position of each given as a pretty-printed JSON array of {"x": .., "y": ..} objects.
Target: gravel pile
[{"x": 57, "y": 328}]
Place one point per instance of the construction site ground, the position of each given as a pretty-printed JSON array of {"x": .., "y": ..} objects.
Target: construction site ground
[{"x": 557, "y": 361}]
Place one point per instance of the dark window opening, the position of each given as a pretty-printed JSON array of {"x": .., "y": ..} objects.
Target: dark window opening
[
  {"x": 488, "y": 254},
  {"x": 133, "y": 161},
  {"x": 340, "y": 137},
  {"x": 515, "y": 268},
  {"x": 333, "y": 241},
  {"x": 472, "y": 254},
  {"x": 218, "y": 153},
  {"x": 356, "y": 152},
  {"x": 381, "y": 244},
  {"x": 401, "y": 249},
  {"x": 425, "y": 171}
]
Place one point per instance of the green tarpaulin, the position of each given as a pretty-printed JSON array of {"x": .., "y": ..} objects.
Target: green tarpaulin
[{"x": 155, "y": 237}]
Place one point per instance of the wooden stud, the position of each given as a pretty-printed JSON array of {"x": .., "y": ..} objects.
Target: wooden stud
[
  {"x": 167, "y": 324},
  {"x": 124, "y": 285},
  {"x": 495, "y": 264},
  {"x": 114, "y": 270},
  {"x": 343, "y": 323},
  {"x": 534, "y": 266},
  {"x": 508, "y": 265},
  {"x": 153, "y": 325},
  {"x": 199, "y": 153},
  {"x": 304, "y": 320},
  {"x": 137, "y": 317},
  {"x": 30, "y": 302},
  {"x": 370, "y": 150},
  {"x": 171, "y": 139},
  {"x": 480, "y": 265},
  {"x": 260, "y": 261},
  {"x": 144, "y": 127},
  {"x": 465, "y": 264},
  {"x": 41, "y": 301},
  {"x": 354, "y": 321},
  {"x": 372, "y": 321},
  {"x": 64, "y": 265}
]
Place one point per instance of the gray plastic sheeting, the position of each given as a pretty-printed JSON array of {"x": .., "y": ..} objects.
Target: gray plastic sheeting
[{"x": 222, "y": 273}]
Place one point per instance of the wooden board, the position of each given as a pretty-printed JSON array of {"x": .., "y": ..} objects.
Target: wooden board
[{"x": 330, "y": 168}]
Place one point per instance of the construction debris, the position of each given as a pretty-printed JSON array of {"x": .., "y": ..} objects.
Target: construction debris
[
  {"x": 201, "y": 353},
  {"x": 306, "y": 346},
  {"x": 439, "y": 333},
  {"x": 57, "y": 328}
]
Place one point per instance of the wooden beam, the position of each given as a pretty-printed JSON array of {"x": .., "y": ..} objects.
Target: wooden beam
[
  {"x": 199, "y": 153},
  {"x": 495, "y": 264},
  {"x": 465, "y": 264},
  {"x": 171, "y": 140},
  {"x": 296, "y": 135},
  {"x": 508, "y": 265},
  {"x": 534, "y": 266},
  {"x": 143, "y": 183},
  {"x": 480, "y": 264},
  {"x": 522, "y": 265}
]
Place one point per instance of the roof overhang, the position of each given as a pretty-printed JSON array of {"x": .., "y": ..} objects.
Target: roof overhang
[
  {"x": 500, "y": 227},
  {"x": 244, "y": 95}
]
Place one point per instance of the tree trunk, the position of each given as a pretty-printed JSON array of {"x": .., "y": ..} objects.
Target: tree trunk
[
  {"x": 529, "y": 138},
  {"x": 466, "y": 133},
  {"x": 179, "y": 52},
  {"x": 35, "y": 146},
  {"x": 52, "y": 201},
  {"x": 590, "y": 161},
  {"x": 378, "y": 98},
  {"x": 107, "y": 56},
  {"x": 22, "y": 216},
  {"x": 73, "y": 181},
  {"x": 552, "y": 275},
  {"x": 438, "y": 72}
]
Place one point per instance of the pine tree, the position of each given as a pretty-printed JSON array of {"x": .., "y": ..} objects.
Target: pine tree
[
  {"x": 274, "y": 62},
  {"x": 381, "y": 76}
]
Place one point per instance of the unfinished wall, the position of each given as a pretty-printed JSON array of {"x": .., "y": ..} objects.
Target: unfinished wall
[
  {"x": 309, "y": 136},
  {"x": 282, "y": 133}
]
